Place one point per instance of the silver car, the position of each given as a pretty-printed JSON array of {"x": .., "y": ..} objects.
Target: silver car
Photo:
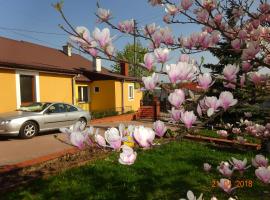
[{"x": 28, "y": 121}]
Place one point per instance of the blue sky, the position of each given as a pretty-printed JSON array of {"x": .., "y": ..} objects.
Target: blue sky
[{"x": 40, "y": 16}]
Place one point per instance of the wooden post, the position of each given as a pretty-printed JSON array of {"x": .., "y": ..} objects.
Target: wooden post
[{"x": 156, "y": 108}]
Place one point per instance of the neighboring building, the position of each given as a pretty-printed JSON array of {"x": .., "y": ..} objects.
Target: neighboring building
[{"x": 32, "y": 73}]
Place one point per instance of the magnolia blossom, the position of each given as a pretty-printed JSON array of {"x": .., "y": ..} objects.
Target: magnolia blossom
[
  {"x": 173, "y": 72},
  {"x": 100, "y": 140},
  {"x": 191, "y": 196},
  {"x": 162, "y": 55},
  {"x": 126, "y": 26},
  {"x": 84, "y": 36},
  {"x": 224, "y": 169},
  {"x": 177, "y": 98},
  {"x": 149, "y": 61},
  {"x": 212, "y": 103},
  {"x": 230, "y": 75},
  {"x": 260, "y": 161},
  {"x": 226, "y": 100},
  {"x": 186, "y": 4},
  {"x": 202, "y": 15},
  {"x": 128, "y": 156},
  {"x": 103, "y": 14},
  {"x": 252, "y": 49},
  {"x": 206, "y": 167},
  {"x": 171, "y": 9},
  {"x": 263, "y": 174},
  {"x": 239, "y": 165},
  {"x": 159, "y": 128},
  {"x": 246, "y": 66},
  {"x": 188, "y": 118},
  {"x": 205, "y": 81},
  {"x": 102, "y": 37},
  {"x": 236, "y": 44},
  {"x": 114, "y": 138},
  {"x": 236, "y": 130},
  {"x": 256, "y": 78},
  {"x": 144, "y": 136},
  {"x": 175, "y": 114},
  {"x": 77, "y": 139},
  {"x": 225, "y": 185},
  {"x": 150, "y": 29},
  {"x": 241, "y": 139},
  {"x": 222, "y": 133},
  {"x": 150, "y": 82}
]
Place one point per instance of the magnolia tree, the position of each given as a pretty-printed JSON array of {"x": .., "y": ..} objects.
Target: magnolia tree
[{"x": 242, "y": 25}]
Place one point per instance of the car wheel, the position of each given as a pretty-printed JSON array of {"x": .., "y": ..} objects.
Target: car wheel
[
  {"x": 28, "y": 130},
  {"x": 83, "y": 121}
]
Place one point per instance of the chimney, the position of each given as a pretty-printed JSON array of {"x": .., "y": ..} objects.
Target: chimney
[
  {"x": 124, "y": 68},
  {"x": 97, "y": 64},
  {"x": 67, "y": 49}
]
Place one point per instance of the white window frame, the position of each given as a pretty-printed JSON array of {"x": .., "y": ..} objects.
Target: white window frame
[
  {"x": 88, "y": 91},
  {"x": 18, "y": 85},
  {"x": 131, "y": 86}
]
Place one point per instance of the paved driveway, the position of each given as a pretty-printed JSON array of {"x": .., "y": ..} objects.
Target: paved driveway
[{"x": 14, "y": 150}]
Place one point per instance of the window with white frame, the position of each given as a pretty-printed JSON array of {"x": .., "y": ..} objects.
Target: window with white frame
[
  {"x": 83, "y": 94},
  {"x": 131, "y": 91}
]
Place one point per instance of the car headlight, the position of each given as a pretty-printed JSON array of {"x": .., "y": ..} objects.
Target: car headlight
[{"x": 5, "y": 122}]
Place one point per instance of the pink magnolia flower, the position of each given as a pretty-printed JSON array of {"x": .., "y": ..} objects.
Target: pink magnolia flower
[
  {"x": 205, "y": 81},
  {"x": 236, "y": 44},
  {"x": 167, "y": 36},
  {"x": 149, "y": 61},
  {"x": 150, "y": 82},
  {"x": 218, "y": 18},
  {"x": 263, "y": 174},
  {"x": 260, "y": 161},
  {"x": 102, "y": 37},
  {"x": 114, "y": 138},
  {"x": 128, "y": 156},
  {"x": 144, "y": 136},
  {"x": 242, "y": 34},
  {"x": 199, "y": 110},
  {"x": 171, "y": 9},
  {"x": 93, "y": 52},
  {"x": 173, "y": 72},
  {"x": 109, "y": 50},
  {"x": 175, "y": 114},
  {"x": 224, "y": 169},
  {"x": 177, "y": 98},
  {"x": 264, "y": 7},
  {"x": 230, "y": 72},
  {"x": 226, "y": 100},
  {"x": 159, "y": 128},
  {"x": 188, "y": 118},
  {"x": 162, "y": 55},
  {"x": 84, "y": 36},
  {"x": 155, "y": 2},
  {"x": 236, "y": 130},
  {"x": 209, "y": 4},
  {"x": 186, "y": 4},
  {"x": 251, "y": 51},
  {"x": 77, "y": 139},
  {"x": 257, "y": 78},
  {"x": 225, "y": 185},
  {"x": 239, "y": 165},
  {"x": 157, "y": 39},
  {"x": 246, "y": 66},
  {"x": 100, "y": 140},
  {"x": 212, "y": 103},
  {"x": 150, "y": 29},
  {"x": 206, "y": 167},
  {"x": 241, "y": 139},
  {"x": 186, "y": 71},
  {"x": 126, "y": 26},
  {"x": 215, "y": 37},
  {"x": 222, "y": 133},
  {"x": 255, "y": 23},
  {"x": 103, "y": 14},
  {"x": 202, "y": 15}
]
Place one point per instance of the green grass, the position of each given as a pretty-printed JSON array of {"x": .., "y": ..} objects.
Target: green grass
[{"x": 165, "y": 172}]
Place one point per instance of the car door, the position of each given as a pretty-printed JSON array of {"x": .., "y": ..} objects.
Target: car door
[
  {"x": 55, "y": 116},
  {"x": 72, "y": 114}
]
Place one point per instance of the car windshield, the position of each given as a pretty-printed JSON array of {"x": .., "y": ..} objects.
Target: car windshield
[{"x": 34, "y": 107}]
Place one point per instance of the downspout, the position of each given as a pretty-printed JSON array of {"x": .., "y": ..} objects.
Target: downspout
[
  {"x": 73, "y": 89},
  {"x": 123, "y": 97}
]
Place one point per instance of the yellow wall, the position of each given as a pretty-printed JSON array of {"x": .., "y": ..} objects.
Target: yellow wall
[
  {"x": 85, "y": 106},
  {"x": 105, "y": 98},
  {"x": 132, "y": 104},
  {"x": 55, "y": 87},
  {"x": 7, "y": 90}
]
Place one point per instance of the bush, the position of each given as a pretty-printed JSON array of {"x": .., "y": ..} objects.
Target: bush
[{"x": 101, "y": 114}]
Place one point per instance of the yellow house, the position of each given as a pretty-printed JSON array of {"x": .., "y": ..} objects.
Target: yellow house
[{"x": 35, "y": 73}]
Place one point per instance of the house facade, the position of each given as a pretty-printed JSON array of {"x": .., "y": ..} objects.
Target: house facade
[{"x": 35, "y": 73}]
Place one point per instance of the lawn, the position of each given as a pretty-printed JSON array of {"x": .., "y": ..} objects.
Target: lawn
[{"x": 165, "y": 172}]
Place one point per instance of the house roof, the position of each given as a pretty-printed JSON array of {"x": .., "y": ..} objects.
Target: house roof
[{"x": 26, "y": 55}]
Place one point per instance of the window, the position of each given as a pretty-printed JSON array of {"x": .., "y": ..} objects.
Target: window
[
  {"x": 83, "y": 94},
  {"x": 96, "y": 89},
  {"x": 57, "y": 108},
  {"x": 27, "y": 87},
  {"x": 131, "y": 91},
  {"x": 71, "y": 108}
]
